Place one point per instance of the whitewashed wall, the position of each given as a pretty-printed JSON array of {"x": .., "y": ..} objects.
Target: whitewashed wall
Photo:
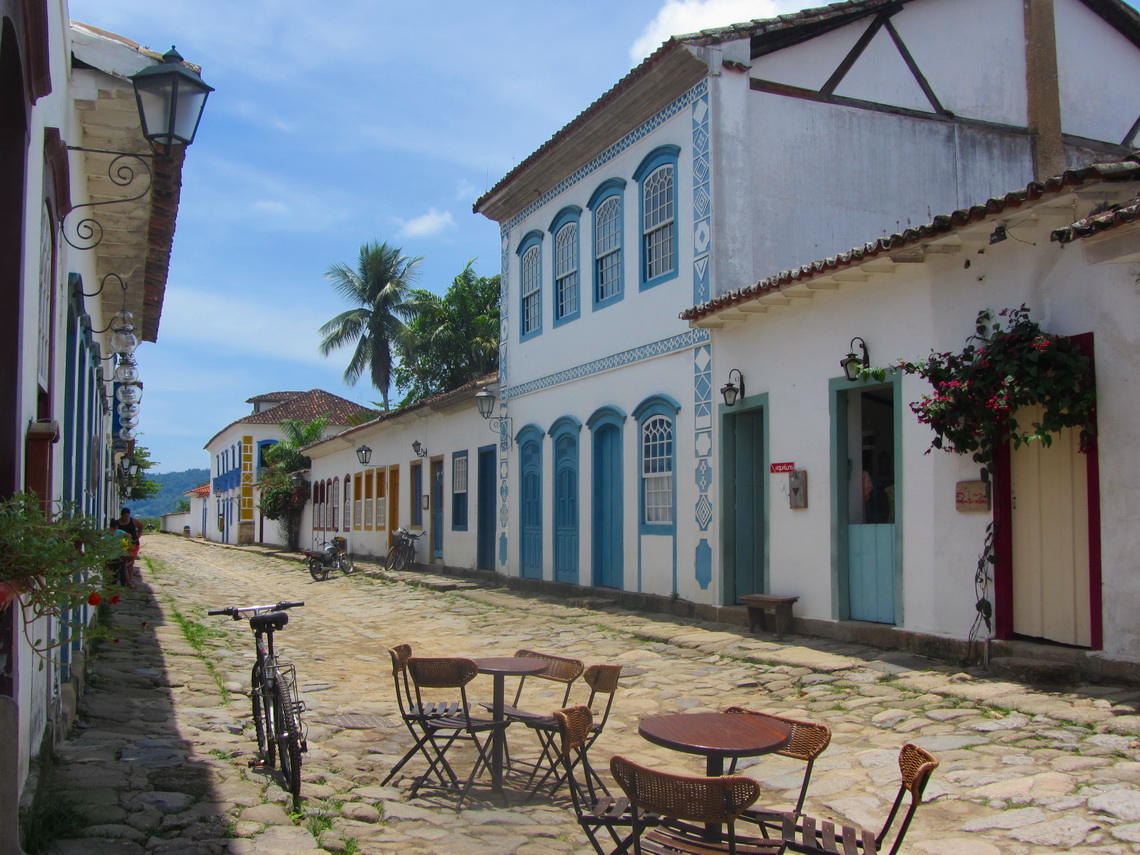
[{"x": 792, "y": 353}]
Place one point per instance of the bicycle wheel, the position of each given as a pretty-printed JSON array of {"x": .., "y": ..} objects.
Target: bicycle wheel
[
  {"x": 393, "y": 557},
  {"x": 407, "y": 551},
  {"x": 346, "y": 565},
  {"x": 262, "y": 718},
  {"x": 288, "y": 735},
  {"x": 317, "y": 569}
]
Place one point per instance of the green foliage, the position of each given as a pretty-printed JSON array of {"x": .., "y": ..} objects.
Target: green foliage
[
  {"x": 139, "y": 486},
  {"x": 171, "y": 486},
  {"x": 378, "y": 289},
  {"x": 55, "y": 816},
  {"x": 55, "y": 562},
  {"x": 978, "y": 392},
  {"x": 181, "y": 506},
  {"x": 283, "y": 496},
  {"x": 451, "y": 340}
]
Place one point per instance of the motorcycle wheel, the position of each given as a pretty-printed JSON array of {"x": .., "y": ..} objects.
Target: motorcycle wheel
[
  {"x": 317, "y": 569},
  {"x": 346, "y": 565}
]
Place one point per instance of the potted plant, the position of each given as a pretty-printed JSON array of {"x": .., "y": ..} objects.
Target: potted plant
[{"x": 52, "y": 563}]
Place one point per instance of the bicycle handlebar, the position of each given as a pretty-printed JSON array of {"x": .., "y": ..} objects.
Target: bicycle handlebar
[{"x": 238, "y": 612}]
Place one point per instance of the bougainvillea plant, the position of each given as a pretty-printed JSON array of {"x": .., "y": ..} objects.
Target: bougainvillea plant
[
  {"x": 1008, "y": 364},
  {"x": 979, "y": 395}
]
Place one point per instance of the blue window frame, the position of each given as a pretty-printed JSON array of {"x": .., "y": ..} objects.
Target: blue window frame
[
  {"x": 567, "y": 263},
  {"x": 417, "y": 488},
  {"x": 530, "y": 285},
  {"x": 607, "y": 256},
  {"x": 657, "y": 178},
  {"x": 459, "y": 491},
  {"x": 657, "y": 456}
]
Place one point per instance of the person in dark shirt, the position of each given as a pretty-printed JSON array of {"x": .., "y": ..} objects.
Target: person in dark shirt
[{"x": 133, "y": 529}]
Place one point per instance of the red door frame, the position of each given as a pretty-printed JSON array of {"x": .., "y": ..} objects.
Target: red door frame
[{"x": 1003, "y": 531}]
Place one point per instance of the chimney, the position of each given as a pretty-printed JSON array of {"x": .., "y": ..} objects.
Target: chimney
[{"x": 1044, "y": 93}]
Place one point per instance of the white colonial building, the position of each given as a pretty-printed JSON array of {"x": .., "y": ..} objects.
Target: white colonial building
[
  {"x": 724, "y": 156},
  {"x": 237, "y": 455},
  {"x": 67, "y": 99}
]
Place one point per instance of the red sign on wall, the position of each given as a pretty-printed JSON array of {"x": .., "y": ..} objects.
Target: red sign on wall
[{"x": 782, "y": 467}]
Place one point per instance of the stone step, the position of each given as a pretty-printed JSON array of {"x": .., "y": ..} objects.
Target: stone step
[{"x": 1035, "y": 671}]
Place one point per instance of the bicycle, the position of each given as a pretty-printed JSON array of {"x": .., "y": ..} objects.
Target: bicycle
[
  {"x": 403, "y": 551},
  {"x": 273, "y": 690},
  {"x": 332, "y": 554}
]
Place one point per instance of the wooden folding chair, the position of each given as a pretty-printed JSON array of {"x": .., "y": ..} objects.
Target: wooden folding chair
[
  {"x": 603, "y": 682},
  {"x": 424, "y": 724},
  {"x": 808, "y": 741},
  {"x": 823, "y": 837},
  {"x": 452, "y": 673},
  {"x": 594, "y": 807},
  {"x": 679, "y": 801}
]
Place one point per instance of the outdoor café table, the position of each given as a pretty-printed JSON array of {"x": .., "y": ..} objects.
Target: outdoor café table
[
  {"x": 716, "y": 735},
  {"x": 501, "y": 667}
]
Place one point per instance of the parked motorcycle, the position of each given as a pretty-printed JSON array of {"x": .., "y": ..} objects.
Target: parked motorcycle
[{"x": 332, "y": 555}]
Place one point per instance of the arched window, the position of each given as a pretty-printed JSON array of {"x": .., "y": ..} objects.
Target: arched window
[
  {"x": 347, "y": 524},
  {"x": 530, "y": 285},
  {"x": 657, "y": 175},
  {"x": 655, "y": 417},
  {"x": 567, "y": 285},
  {"x": 606, "y": 203}
]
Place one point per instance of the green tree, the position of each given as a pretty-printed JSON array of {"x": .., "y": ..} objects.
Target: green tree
[
  {"x": 451, "y": 340},
  {"x": 378, "y": 289},
  {"x": 139, "y": 486},
  {"x": 283, "y": 492}
]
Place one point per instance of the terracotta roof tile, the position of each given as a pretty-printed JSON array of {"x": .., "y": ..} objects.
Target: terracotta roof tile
[
  {"x": 305, "y": 407},
  {"x": 202, "y": 491},
  {"x": 273, "y": 396},
  {"x": 941, "y": 225},
  {"x": 1097, "y": 223}
]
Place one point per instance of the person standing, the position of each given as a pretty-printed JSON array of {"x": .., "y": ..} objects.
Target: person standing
[{"x": 133, "y": 529}]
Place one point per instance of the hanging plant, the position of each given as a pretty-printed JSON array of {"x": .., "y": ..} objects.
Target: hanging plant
[
  {"x": 1007, "y": 365},
  {"x": 52, "y": 564}
]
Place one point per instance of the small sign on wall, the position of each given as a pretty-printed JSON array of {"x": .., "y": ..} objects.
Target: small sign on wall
[
  {"x": 972, "y": 497},
  {"x": 797, "y": 488}
]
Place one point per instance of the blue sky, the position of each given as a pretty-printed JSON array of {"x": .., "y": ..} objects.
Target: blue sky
[{"x": 338, "y": 123}]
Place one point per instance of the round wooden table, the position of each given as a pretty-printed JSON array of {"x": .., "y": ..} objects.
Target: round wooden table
[
  {"x": 501, "y": 667},
  {"x": 716, "y": 735}
]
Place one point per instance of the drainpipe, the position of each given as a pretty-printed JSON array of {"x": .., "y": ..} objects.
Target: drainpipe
[{"x": 1043, "y": 89}]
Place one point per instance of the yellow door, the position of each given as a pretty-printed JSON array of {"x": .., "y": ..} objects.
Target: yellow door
[{"x": 1051, "y": 540}]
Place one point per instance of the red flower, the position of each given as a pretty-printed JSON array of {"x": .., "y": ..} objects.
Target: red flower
[
  {"x": 94, "y": 599},
  {"x": 114, "y": 599}
]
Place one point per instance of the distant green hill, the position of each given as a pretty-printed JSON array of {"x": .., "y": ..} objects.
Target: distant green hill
[{"x": 173, "y": 485}]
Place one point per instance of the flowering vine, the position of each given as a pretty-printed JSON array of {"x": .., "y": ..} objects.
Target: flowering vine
[{"x": 1008, "y": 364}]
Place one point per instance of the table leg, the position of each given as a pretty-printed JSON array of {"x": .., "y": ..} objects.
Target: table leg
[
  {"x": 498, "y": 734},
  {"x": 714, "y": 768}
]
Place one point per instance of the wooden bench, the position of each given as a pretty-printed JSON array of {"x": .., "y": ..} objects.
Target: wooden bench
[{"x": 759, "y": 604}]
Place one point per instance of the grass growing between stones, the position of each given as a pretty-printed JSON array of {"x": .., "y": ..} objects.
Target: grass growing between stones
[
  {"x": 55, "y": 816},
  {"x": 196, "y": 635}
]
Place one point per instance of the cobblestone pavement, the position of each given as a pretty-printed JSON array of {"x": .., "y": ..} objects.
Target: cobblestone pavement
[{"x": 160, "y": 754}]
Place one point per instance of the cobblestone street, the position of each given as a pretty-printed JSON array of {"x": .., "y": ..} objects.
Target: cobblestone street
[{"x": 160, "y": 754}]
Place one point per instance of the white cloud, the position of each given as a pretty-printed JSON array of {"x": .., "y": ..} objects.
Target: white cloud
[
  {"x": 680, "y": 17},
  {"x": 426, "y": 225},
  {"x": 466, "y": 192}
]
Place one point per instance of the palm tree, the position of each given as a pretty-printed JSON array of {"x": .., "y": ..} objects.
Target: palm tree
[{"x": 378, "y": 288}]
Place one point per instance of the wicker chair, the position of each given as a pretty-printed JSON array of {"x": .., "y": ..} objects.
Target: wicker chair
[
  {"x": 678, "y": 801},
  {"x": 603, "y": 682},
  {"x": 595, "y": 808},
  {"x": 425, "y": 724},
  {"x": 451, "y": 673},
  {"x": 559, "y": 669},
  {"x": 807, "y": 742},
  {"x": 823, "y": 837}
]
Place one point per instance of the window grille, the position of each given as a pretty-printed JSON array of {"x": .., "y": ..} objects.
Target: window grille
[
  {"x": 657, "y": 469},
  {"x": 566, "y": 269},
  {"x": 531, "y": 290},
  {"x": 658, "y": 222},
  {"x": 607, "y": 248}
]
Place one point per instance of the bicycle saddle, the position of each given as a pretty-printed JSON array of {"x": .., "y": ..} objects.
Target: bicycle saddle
[{"x": 270, "y": 622}]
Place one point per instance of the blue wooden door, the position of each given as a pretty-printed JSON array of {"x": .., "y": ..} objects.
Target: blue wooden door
[
  {"x": 745, "y": 547},
  {"x": 871, "y": 560},
  {"x": 530, "y": 547},
  {"x": 437, "y": 508},
  {"x": 485, "y": 535},
  {"x": 607, "y": 508},
  {"x": 566, "y": 509}
]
